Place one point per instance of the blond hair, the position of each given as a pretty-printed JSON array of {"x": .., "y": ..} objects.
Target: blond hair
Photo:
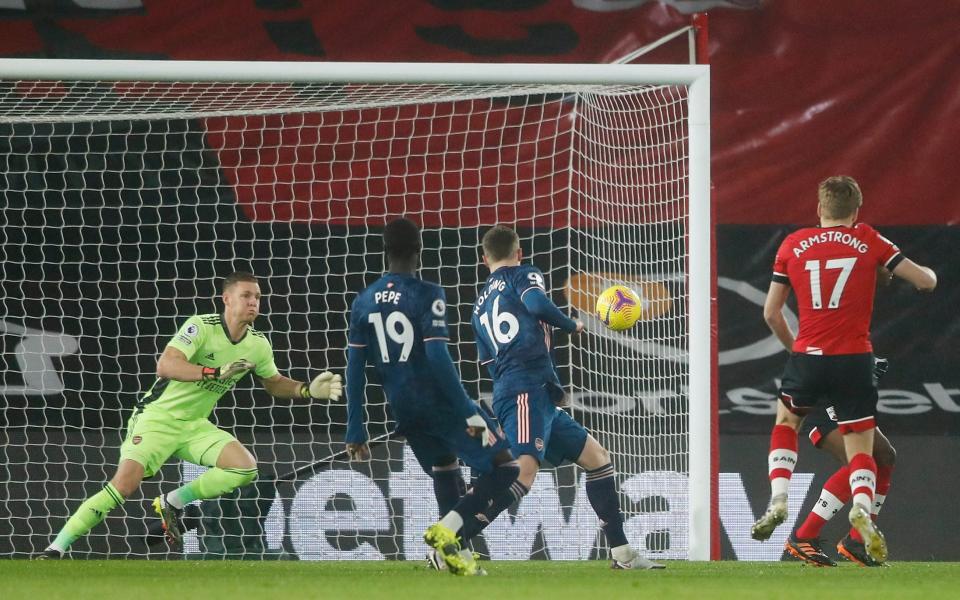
[{"x": 840, "y": 197}]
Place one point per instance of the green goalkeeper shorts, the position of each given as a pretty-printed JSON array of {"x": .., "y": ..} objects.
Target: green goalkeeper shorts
[{"x": 153, "y": 436}]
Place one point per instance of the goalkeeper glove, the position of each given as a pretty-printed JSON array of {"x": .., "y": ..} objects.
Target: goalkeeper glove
[
  {"x": 477, "y": 427},
  {"x": 227, "y": 371},
  {"x": 325, "y": 386},
  {"x": 880, "y": 366}
]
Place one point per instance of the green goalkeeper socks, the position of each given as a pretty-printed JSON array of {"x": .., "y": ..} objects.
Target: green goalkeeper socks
[
  {"x": 88, "y": 516},
  {"x": 212, "y": 484}
]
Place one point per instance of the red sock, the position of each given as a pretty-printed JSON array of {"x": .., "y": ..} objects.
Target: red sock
[
  {"x": 782, "y": 458},
  {"x": 836, "y": 493},
  {"x": 884, "y": 474},
  {"x": 863, "y": 479}
]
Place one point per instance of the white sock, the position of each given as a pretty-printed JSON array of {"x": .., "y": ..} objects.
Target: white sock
[
  {"x": 174, "y": 500},
  {"x": 863, "y": 500},
  {"x": 863, "y": 483},
  {"x": 779, "y": 487},
  {"x": 54, "y": 546},
  {"x": 827, "y": 506},
  {"x": 452, "y": 521},
  {"x": 878, "y": 500},
  {"x": 780, "y": 465}
]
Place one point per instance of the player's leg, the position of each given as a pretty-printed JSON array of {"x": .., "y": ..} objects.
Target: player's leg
[
  {"x": 438, "y": 459},
  {"x": 601, "y": 489},
  {"x": 151, "y": 438},
  {"x": 230, "y": 466},
  {"x": 95, "y": 508},
  {"x": 781, "y": 461},
  {"x": 527, "y": 422},
  {"x": 448, "y": 483},
  {"x": 798, "y": 394},
  {"x": 496, "y": 471},
  {"x": 863, "y": 482},
  {"x": 854, "y": 395},
  {"x": 494, "y": 478},
  {"x": 886, "y": 456},
  {"x": 570, "y": 442},
  {"x": 804, "y": 543},
  {"x": 851, "y": 547},
  {"x": 448, "y": 488}
]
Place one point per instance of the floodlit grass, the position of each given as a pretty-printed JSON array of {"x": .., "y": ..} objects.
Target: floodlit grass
[{"x": 536, "y": 580}]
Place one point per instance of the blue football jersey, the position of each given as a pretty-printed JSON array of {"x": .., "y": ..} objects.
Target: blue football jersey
[
  {"x": 391, "y": 319},
  {"x": 516, "y": 342}
]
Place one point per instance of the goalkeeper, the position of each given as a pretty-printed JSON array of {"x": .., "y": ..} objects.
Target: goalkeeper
[{"x": 204, "y": 360}]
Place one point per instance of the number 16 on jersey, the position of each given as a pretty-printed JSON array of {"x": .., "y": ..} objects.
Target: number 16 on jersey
[{"x": 495, "y": 330}]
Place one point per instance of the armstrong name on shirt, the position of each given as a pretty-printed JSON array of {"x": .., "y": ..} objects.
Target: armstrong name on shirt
[{"x": 841, "y": 237}]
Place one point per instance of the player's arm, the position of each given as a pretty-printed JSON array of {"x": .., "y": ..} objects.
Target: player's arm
[
  {"x": 533, "y": 294},
  {"x": 890, "y": 257},
  {"x": 435, "y": 334},
  {"x": 922, "y": 278},
  {"x": 541, "y": 307},
  {"x": 773, "y": 313},
  {"x": 325, "y": 386},
  {"x": 451, "y": 386},
  {"x": 356, "y": 438},
  {"x": 433, "y": 329},
  {"x": 884, "y": 276},
  {"x": 174, "y": 363},
  {"x": 777, "y": 296}
]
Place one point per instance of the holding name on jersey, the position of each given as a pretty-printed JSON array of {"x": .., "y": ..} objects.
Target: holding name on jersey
[{"x": 619, "y": 307}]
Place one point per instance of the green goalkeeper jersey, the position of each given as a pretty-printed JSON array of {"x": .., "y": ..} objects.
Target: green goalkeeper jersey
[{"x": 204, "y": 340}]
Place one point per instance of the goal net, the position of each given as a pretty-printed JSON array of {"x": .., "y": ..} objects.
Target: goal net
[{"x": 129, "y": 190}]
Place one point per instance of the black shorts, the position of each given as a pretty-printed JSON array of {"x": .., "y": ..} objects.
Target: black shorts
[
  {"x": 819, "y": 424},
  {"x": 843, "y": 381}
]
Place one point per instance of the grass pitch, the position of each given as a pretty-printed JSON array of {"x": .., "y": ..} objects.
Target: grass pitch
[{"x": 534, "y": 580}]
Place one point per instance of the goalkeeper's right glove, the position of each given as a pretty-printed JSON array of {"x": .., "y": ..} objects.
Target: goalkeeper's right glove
[
  {"x": 477, "y": 427},
  {"x": 227, "y": 371}
]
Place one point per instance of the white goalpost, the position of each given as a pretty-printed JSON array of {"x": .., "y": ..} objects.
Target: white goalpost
[{"x": 129, "y": 189}]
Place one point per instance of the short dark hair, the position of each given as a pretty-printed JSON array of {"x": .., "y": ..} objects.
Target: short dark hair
[
  {"x": 500, "y": 242},
  {"x": 401, "y": 239},
  {"x": 237, "y": 277}
]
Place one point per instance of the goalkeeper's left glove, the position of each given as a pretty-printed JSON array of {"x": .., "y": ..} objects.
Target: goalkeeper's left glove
[
  {"x": 325, "y": 386},
  {"x": 227, "y": 371},
  {"x": 477, "y": 427}
]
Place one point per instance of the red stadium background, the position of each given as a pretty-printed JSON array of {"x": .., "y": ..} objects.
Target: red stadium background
[{"x": 801, "y": 88}]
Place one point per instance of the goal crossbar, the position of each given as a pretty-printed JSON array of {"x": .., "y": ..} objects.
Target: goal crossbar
[{"x": 348, "y": 72}]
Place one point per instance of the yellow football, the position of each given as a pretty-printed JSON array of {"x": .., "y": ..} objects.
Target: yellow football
[{"x": 619, "y": 307}]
